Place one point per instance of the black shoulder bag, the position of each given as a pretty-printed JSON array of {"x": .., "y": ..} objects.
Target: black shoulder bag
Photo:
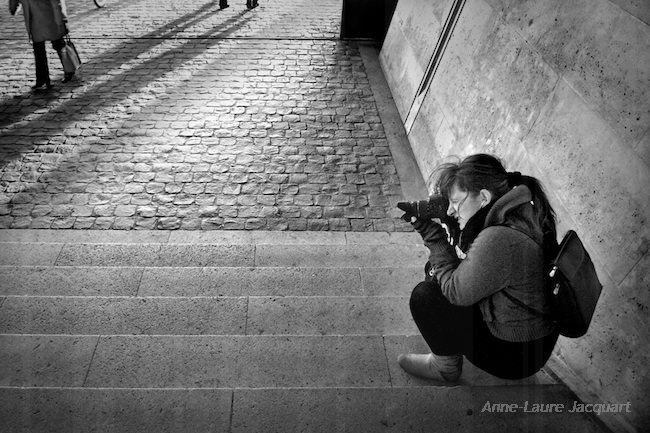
[
  {"x": 575, "y": 287},
  {"x": 572, "y": 285}
]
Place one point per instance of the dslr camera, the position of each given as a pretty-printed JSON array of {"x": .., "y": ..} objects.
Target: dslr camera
[{"x": 435, "y": 207}]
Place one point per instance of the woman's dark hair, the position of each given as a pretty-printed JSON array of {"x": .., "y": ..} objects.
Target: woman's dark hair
[{"x": 483, "y": 171}]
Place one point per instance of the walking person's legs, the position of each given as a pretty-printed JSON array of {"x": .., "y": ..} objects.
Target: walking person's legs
[{"x": 40, "y": 64}]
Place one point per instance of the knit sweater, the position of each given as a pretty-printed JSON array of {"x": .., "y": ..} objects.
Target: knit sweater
[{"x": 502, "y": 271}]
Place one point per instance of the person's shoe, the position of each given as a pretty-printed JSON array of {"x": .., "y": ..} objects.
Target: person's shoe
[
  {"x": 67, "y": 76},
  {"x": 223, "y": 4},
  {"x": 40, "y": 84},
  {"x": 432, "y": 366}
]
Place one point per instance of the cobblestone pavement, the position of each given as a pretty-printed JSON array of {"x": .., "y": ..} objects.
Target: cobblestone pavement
[{"x": 188, "y": 117}]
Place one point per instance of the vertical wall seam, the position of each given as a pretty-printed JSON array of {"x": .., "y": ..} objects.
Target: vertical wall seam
[
  {"x": 246, "y": 312},
  {"x": 434, "y": 62},
  {"x": 232, "y": 409},
  {"x": 390, "y": 378}
]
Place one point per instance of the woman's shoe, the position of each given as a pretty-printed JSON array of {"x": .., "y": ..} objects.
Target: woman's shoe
[
  {"x": 432, "y": 366},
  {"x": 40, "y": 84},
  {"x": 68, "y": 76}
]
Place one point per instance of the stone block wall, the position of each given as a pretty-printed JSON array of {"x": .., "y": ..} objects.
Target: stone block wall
[{"x": 559, "y": 90}]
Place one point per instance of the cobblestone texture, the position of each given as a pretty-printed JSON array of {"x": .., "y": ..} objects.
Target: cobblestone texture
[{"x": 187, "y": 117}]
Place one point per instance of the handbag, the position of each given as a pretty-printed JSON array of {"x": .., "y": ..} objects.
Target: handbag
[
  {"x": 70, "y": 57},
  {"x": 575, "y": 287}
]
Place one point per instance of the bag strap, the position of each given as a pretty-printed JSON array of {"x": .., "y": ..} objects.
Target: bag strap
[
  {"x": 530, "y": 309},
  {"x": 547, "y": 279}
]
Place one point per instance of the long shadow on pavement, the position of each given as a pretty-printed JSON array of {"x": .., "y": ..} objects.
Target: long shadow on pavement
[
  {"x": 151, "y": 39},
  {"x": 93, "y": 10},
  {"x": 14, "y": 109}
]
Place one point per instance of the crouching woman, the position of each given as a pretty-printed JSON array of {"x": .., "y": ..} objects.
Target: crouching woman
[{"x": 485, "y": 296}]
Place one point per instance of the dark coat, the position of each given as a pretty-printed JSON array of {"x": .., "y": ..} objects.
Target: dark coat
[
  {"x": 45, "y": 19},
  {"x": 503, "y": 271}
]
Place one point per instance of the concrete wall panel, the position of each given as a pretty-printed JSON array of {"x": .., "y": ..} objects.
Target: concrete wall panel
[
  {"x": 614, "y": 355},
  {"x": 423, "y": 137},
  {"x": 598, "y": 179},
  {"x": 604, "y": 54},
  {"x": 409, "y": 44},
  {"x": 493, "y": 95},
  {"x": 406, "y": 71},
  {"x": 475, "y": 17}
]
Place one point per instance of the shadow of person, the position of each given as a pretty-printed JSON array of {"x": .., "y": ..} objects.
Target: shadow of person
[{"x": 22, "y": 122}]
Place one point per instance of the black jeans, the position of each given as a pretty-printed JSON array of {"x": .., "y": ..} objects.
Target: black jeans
[
  {"x": 40, "y": 59},
  {"x": 451, "y": 330}
]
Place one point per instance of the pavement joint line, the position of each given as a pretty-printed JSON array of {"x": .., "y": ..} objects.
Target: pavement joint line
[
  {"x": 90, "y": 363},
  {"x": 359, "y": 277},
  {"x": 265, "y": 388},
  {"x": 212, "y": 244},
  {"x": 72, "y": 236},
  {"x": 58, "y": 256},
  {"x": 139, "y": 285},
  {"x": 195, "y": 243},
  {"x": 305, "y": 268},
  {"x": 136, "y": 38},
  {"x": 220, "y": 336},
  {"x": 315, "y": 297}
]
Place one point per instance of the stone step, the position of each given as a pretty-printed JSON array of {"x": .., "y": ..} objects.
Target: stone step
[
  {"x": 232, "y": 332},
  {"x": 223, "y": 237},
  {"x": 207, "y": 281},
  {"x": 293, "y": 315},
  {"x": 192, "y": 361},
  {"x": 184, "y": 255},
  {"x": 327, "y": 410},
  {"x": 233, "y": 361}
]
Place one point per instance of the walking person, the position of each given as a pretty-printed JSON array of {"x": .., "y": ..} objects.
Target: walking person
[
  {"x": 46, "y": 20},
  {"x": 250, "y": 4},
  {"x": 484, "y": 297}
]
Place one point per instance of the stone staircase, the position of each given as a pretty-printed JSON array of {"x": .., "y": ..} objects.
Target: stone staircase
[{"x": 232, "y": 331}]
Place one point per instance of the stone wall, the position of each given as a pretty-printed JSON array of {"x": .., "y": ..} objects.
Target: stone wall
[{"x": 560, "y": 90}]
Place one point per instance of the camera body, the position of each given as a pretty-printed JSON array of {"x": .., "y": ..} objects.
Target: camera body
[{"x": 435, "y": 207}]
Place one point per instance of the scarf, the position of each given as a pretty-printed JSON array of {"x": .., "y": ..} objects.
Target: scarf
[{"x": 473, "y": 227}]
